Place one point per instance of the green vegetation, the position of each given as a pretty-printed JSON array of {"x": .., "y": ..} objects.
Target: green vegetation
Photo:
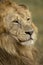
[{"x": 36, "y": 7}]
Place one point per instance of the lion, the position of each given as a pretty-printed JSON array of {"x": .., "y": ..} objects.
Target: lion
[{"x": 17, "y": 35}]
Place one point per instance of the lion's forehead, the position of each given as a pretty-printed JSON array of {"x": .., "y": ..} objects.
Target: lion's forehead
[
  {"x": 24, "y": 13},
  {"x": 19, "y": 12},
  {"x": 12, "y": 14}
]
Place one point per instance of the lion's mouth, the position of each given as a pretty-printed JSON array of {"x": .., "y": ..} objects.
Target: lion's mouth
[
  {"x": 28, "y": 42},
  {"x": 23, "y": 42}
]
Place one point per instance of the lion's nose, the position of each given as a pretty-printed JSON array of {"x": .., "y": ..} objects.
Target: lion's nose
[{"x": 29, "y": 32}]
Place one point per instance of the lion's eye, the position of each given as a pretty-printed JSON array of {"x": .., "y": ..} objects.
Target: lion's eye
[
  {"x": 15, "y": 21},
  {"x": 28, "y": 19}
]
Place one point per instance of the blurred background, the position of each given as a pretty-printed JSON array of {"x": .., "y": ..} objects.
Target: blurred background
[{"x": 36, "y": 7}]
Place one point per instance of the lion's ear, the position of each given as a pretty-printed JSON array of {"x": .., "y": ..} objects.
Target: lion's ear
[{"x": 23, "y": 6}]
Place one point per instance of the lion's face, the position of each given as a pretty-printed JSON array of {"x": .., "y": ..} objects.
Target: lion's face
[{"x": 18, "y": 25}]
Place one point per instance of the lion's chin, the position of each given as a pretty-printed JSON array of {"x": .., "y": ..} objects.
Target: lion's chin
[{"x": 29, "y": 42}]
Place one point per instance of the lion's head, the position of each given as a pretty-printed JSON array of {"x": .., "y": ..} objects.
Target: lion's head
[{"x": 17, "y": 30}]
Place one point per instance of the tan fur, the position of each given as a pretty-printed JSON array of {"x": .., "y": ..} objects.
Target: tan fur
[{"x": 13, "y": 25}]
